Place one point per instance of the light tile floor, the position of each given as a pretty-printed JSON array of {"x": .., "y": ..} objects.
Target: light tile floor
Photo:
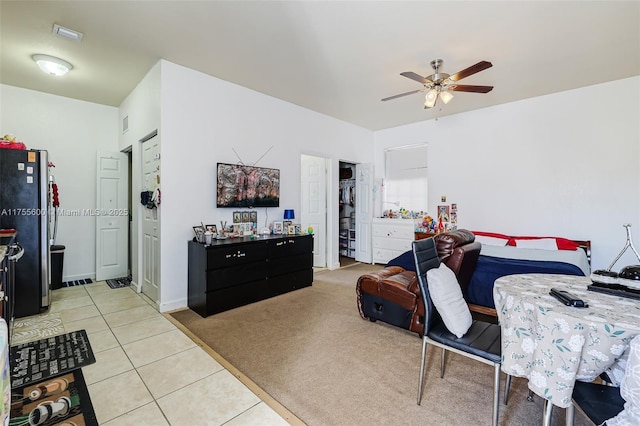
[{"x": 147, "y": 371}]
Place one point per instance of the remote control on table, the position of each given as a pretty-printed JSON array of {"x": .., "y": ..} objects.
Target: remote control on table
[{"x": 568, "y": 299}]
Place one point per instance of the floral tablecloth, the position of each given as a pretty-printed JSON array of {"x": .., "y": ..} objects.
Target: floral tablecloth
[{"x": 554, "y": 345}]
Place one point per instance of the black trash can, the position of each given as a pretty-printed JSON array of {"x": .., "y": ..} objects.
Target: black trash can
[{"x": 57, "y": 261}]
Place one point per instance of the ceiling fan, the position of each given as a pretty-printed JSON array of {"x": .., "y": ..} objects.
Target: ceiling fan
[{"x": 441, "y": 84}]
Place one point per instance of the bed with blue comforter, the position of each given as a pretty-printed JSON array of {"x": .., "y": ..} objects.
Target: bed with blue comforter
[{"x": 498, "y": 261}]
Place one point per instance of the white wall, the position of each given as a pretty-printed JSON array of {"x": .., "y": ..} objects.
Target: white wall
[
  {"x": 565, "y": 164},
  {"x": 142, "y": 107},
  {"x": 203, "y": 120},
  {"x": 72, "y": 131}
]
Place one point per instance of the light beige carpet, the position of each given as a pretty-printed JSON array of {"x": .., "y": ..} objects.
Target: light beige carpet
[{"x": 312, "y": 352}]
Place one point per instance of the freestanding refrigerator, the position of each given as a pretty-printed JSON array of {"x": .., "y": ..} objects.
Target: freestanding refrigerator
[{"x": 24, "y": 206}]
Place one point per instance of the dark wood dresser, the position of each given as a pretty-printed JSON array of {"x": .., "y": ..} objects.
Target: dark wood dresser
[{"x": 235, "y": 272}]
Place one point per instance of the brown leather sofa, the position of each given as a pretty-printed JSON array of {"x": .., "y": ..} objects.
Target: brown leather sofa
[{"x": 392, "y": 294}]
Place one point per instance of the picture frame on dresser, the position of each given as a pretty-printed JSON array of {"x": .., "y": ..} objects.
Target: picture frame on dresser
[
  {"x": 199, "y": 232},
  {"x": 277, "y": 228}
]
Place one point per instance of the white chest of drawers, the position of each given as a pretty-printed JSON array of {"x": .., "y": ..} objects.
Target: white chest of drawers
[{"x": 390, "y": 238}]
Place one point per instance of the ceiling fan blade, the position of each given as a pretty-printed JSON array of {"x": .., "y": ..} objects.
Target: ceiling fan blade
[
  {"x": 471, "y": 88},
  {"x": 482, "y": 65},
  {"x": 414, "y": 76},
  {"x": 402, "y": 94}
]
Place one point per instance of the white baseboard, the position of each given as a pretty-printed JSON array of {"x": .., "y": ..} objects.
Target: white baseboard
[{"x": 172, "y": 306}]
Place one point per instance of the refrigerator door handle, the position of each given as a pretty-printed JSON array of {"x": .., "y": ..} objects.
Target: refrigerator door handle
[{"x": 16, "y": 256}]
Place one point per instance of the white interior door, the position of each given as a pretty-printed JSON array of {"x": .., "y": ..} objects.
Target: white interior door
[
  {"x": 151, "y": 220},
  {"x": 364, "y": 212},
  {"x": 314, "y": 204},
  {"x": 112, "y": 216}
]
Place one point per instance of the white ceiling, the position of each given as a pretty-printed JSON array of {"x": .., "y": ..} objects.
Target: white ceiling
[{"x": 338, "y": 58}]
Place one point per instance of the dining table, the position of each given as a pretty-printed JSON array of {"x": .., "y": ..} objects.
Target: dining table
[{"x": 552, "y": 344}]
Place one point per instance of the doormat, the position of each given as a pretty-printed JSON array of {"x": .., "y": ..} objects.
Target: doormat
[
  {"x": 63, "y": 399},
  {"x": 37, "y": 361},
  {"x": 76, "y": 282},
  {"x": 119, "y": 282}
]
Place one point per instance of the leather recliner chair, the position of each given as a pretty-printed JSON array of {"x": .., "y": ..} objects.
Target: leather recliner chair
[{"x": 392, "y": 294}]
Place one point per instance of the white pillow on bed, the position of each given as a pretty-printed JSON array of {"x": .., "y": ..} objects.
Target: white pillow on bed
[
  {"x": 540, "y": 243},
  {"x": 491, "y": 241},
  {"x": 447, "y": 298}
]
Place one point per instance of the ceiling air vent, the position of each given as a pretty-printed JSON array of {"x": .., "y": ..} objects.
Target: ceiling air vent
[
  {"x": 125, "y": 124},
  {"x": 67, "y": 33}
]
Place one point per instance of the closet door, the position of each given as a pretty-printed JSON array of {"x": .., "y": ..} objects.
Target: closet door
[{"x": 364, "y": 211}]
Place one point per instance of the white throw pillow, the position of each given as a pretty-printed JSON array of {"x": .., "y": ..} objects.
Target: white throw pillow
[
  {"x": 541, "y": 243},
  {"x": 491, "y": 241},
  {"x": 447, "y": 298}
]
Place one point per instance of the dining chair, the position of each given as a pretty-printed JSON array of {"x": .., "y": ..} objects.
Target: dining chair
[
  {"x": 604, "y": 404},
  {"x": 480, "y": 342}
]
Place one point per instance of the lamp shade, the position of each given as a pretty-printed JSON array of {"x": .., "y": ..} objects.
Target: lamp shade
[
  {"x": 430, "y": 98},
  {"x": 288, "y": 214},
  {"x": 446, "y": 96}
]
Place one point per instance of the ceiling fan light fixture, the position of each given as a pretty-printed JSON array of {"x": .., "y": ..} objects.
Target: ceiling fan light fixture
[
  {"x": 446, "y": 96},
  {"x": 430, "y": 98},
  {"x": 52, "y": 65}
]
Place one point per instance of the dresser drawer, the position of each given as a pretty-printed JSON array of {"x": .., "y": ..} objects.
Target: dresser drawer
[
  {"x": 235, "y": 254},
  {"x": 392, "y": 244},
  {"x": 284, "y": 265},
  {"x": 289, "y": 246},
  {"x": 383, "y": 256},
  {"x": 390, "y": 230},
  {"x": 238, "y": 274}
]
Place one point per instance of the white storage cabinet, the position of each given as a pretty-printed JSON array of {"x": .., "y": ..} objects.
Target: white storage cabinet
[{"x": 390, "y": 238}]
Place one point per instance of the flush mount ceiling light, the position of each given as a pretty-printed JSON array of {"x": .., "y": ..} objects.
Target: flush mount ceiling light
[{"x": 52, "y": 65}]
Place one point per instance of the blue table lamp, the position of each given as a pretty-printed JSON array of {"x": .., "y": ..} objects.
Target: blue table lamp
[{"x": 288, "y": 214}]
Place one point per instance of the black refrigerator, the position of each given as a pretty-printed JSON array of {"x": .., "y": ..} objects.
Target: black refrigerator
[{"x": 24, "y": 206}]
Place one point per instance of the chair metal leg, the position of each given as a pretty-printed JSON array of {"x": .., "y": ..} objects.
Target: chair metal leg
[
  {"x": 422, "y": 361},
  {"x": 496, "y": 393},
  {"x": 548, "y": 409},
  {"x": 507, "y": 388},
  {"x": 569, "y": 412},
  {"x": 442, "y": 360}
]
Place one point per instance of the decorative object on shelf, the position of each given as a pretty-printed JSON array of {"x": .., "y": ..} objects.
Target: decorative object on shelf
[
  {"x": 245, "y": 216},
  {"x": 277, "y": 228},
  {"x": 443, "y": 213},
  {"x": 253, "y": 217},
  {"x": 289, "y": 214},
  {"x": 223, "y": 230},
  {"x": 237, "y": 217},
  {"x": 291, "y": 230},
  {"x": 199, "y": 231},
  {"x": 210, "y": 232}
]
